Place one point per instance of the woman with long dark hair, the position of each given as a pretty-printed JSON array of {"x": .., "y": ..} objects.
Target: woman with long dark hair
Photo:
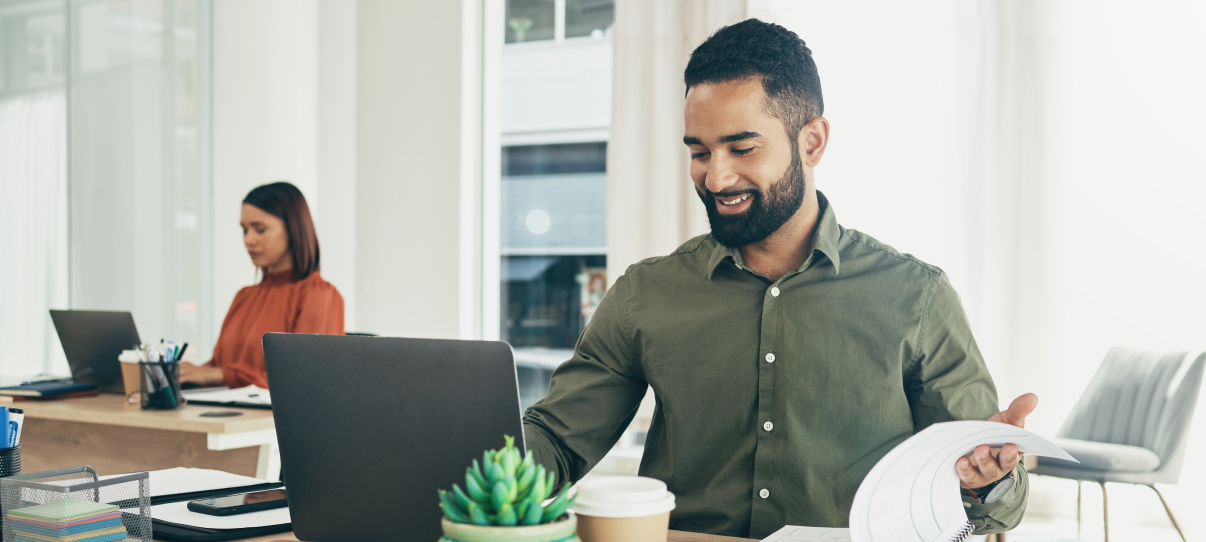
[{"x": 291, "y": 297}]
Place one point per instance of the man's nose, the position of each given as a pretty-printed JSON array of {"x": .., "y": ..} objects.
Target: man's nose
[{"x": 720, "y": 174}]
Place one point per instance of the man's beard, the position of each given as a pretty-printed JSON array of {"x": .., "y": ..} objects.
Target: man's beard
[{"x": 767, "y": 212}]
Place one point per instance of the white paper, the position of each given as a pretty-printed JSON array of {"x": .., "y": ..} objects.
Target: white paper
[
  {"x": 796, "y": 533},
  {"x": 178, "y": 513},
  {"x": 185, "y": 480},
  {"x": 913, "y": 495},
  {"x": 250, "y": 394}
]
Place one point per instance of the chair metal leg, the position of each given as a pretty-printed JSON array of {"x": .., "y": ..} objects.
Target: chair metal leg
[
  {"x": 1169, "y": 510},
  {"x": 1105, "y": 512},
  {"x": 1079, "y": 490}
]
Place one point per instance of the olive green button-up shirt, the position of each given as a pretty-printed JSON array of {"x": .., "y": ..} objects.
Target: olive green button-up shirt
[{"x": 773, "y": 399}]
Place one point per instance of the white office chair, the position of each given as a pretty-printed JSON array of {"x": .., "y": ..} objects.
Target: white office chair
[{"x": 1131, "y": 425}]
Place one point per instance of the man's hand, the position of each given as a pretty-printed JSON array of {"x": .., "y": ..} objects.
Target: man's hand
[{"x": 987, "y": 465}]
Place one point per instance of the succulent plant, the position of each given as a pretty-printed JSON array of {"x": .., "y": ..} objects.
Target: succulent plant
[{"x": 505, "y": 489}]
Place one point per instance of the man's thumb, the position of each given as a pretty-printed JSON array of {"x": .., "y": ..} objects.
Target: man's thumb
[{"x": 1019, "y": 409}]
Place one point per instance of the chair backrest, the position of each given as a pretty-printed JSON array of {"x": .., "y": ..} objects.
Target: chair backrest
[{"x": 1141, "y": 398}]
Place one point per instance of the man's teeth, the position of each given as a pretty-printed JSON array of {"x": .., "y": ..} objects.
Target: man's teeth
[{"x": 736, "y": 201}]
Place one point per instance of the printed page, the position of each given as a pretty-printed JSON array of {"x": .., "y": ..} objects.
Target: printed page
[
  {"x": 796, "y": 533},
  {"x": 249, "y": 394},
  {"x": 912, "y": 494},
  {"x": 186, "y": 480}
]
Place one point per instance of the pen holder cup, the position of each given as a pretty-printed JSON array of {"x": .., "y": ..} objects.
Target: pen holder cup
[
  {"x": 75, "y": 504},
  {"x": 161, "y": 385},
  {"x": 10, "y": 461}
]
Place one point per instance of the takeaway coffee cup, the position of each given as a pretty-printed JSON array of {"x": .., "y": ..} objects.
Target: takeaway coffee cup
[{"x": 623, "y": 509}]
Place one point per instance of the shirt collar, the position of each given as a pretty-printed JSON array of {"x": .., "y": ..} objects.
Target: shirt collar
[{"x": 824, "y": 240}]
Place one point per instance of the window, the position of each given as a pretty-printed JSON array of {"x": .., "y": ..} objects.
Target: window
[
  {"x": 530, "y": 20},
  {"x": 554, "y": 241},
  {"x": 556, "y": 20},
  {"x": 140, "y": 186},
  {"x": 104, "y": 156},
  {"x": 588, "y": 17},
  {"x": 555, "y": 113}
]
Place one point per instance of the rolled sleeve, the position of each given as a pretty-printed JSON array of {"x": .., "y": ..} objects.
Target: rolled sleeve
[
  {"x": 592, "y": 397},
  {"x": 950, "y": 381}
]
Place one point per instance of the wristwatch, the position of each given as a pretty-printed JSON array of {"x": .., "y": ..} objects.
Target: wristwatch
[{"x": 994, "y": 491}]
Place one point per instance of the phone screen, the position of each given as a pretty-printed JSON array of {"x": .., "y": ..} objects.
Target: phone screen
[{"x": 247, "y": 498}]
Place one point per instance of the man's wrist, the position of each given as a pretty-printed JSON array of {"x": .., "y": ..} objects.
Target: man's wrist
[{"x": 997, "y": 489}]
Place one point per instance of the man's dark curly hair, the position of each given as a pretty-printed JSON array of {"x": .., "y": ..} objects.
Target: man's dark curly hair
[{"x": 753, "y": 49}]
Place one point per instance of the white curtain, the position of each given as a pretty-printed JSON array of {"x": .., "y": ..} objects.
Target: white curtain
[
  {"x": 33, "y": 231},
  {"x": 651, "y": 204}
]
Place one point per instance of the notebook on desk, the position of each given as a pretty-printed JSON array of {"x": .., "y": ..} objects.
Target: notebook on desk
[
  {"x": 50, "y": 389},
  {"x": 913, "y": 495}
]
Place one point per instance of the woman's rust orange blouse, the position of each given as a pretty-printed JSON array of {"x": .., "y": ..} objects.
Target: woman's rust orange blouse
[{"x": 310, "y": 305}]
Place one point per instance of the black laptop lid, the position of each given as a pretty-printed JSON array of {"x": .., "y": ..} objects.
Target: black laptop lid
[
  {"x": 92, "y": 341},
  {"x": 370, "y": 427}
]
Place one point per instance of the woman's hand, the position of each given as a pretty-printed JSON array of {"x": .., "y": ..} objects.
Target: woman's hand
[{"x": 204, "y": 375}]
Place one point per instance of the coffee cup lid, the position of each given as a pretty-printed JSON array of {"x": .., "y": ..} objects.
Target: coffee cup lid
[{"x": 623, "y": 497}]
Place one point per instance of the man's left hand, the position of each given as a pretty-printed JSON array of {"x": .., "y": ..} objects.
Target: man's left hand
[{"x": 987, "y": 465}]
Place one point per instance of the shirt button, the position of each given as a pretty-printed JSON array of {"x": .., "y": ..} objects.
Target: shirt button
[
  {"x": 765, "y": 493},
  {"x": 768, "y": 426},
  {"x": 770, "y": 358},
  {"x": 775, "y": 291}
]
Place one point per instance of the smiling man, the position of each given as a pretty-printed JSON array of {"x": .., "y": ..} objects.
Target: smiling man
[{"x": 787, "y": 354}]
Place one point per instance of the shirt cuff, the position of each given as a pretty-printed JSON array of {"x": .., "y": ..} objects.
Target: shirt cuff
[{"x": 1003, "y": 514}]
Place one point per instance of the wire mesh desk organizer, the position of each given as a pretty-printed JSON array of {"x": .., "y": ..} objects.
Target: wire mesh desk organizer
[{"x": 75, "y": 505}]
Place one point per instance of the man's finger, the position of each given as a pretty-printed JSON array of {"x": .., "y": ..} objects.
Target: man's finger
[
  {"x": 1008, "y": 458},
  {"x": 1018, "y": 410},
  {"x": 986, "y": 463},
  {"x": 967, "y": 472}
]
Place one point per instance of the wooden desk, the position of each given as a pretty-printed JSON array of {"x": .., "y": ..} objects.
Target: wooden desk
[
  {"x": 675, "y": 536},
  {"x": 113, "y": 437}
]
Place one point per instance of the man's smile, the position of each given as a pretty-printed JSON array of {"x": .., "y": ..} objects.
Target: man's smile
[{"x": 733, "y": 204}]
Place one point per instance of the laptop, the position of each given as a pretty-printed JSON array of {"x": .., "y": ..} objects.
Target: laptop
[
  {"x": 370, "y": 427},
  {"x": 92, "y": 341}
]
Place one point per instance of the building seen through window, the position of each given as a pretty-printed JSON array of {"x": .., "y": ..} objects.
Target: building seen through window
[
  {"x": 555, "y": 119},
  {"x": 541, "y": 20},
  {"x": 554, "y": 244}
]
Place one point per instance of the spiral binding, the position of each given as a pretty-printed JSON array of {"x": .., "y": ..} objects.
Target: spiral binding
[{"x": 965, "y": 533}]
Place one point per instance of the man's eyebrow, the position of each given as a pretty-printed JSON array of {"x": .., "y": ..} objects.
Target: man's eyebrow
[
  {"x": 688, "y": 140},
  {"x": 740, "y": 137}
]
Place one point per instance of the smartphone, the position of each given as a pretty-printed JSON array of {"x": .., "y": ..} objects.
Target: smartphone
[{"x": 240, "y": 504}]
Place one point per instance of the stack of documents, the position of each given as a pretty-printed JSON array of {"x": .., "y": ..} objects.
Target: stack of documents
[
  {"x": 912, "y": 494},
  {"x": 67, "y": 520},
  {"x": 250, "y": 396}
]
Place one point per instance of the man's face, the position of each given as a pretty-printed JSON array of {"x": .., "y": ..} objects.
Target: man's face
[{"x": 746, "y": 170}]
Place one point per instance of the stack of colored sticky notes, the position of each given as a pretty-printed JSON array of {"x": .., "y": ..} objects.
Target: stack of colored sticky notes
[{"x": 67, "y": 520}]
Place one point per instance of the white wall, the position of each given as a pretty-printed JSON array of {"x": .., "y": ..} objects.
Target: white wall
[
  {"x": 408, "y": 165},
  {"x": 336, "y": 150},
  {"x": 285, "y": 109},
  {"x": 264, "y": 121}
]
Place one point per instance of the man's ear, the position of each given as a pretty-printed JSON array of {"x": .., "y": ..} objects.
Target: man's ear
[{"x": 813, "y": 139}]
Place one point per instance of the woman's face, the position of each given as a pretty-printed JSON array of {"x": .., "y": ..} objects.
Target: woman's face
[{"x": 266, "y": 240}]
